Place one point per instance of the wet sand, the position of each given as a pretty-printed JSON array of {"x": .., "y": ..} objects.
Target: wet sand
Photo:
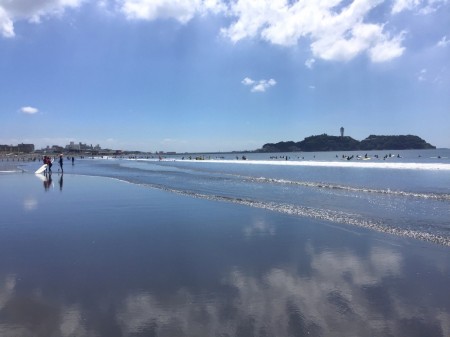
[{"x": 89, "y": 256}]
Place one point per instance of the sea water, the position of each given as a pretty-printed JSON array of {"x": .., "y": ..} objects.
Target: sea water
[{"x": 404, "y": 193}]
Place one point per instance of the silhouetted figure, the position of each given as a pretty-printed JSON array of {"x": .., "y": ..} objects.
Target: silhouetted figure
[
  {"x": 61, "y": 162},
  {"x": 48, "y": 181},
  {"x": 61, "y": 182}
]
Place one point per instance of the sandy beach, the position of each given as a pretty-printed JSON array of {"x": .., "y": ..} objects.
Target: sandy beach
[{"x": 90, "y": 256}]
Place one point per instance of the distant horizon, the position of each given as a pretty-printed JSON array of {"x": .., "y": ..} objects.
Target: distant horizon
[
  {"x": 216, "y": 76},
  {"x": 42, "y": 148}
]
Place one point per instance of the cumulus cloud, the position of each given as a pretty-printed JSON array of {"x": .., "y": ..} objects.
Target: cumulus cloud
[
  {"x": 6, "y": 24},
  {"x": 422, "y": 75},
  {"x": 247, "y": 81},
  {"x": 179, "y": 10},
  {"x": 401, "y": 5},
  {"x": 419, "y": 6},
  {"x": 309, "y": 63},
  {"x": 387, "y": 49},
  {"x": 335, "y": 30},
  {"x": 258, "y": 86},
  {"x": 30, "y": 10},
  {"x": 444, "y": 42},
  {"x": 182, "y": 10},
  {"x": 29, "y": 110}
]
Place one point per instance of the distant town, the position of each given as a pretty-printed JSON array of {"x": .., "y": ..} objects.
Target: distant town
[
  {"x": 72, "y": 148},
  {"x": 316, "y": 143}
]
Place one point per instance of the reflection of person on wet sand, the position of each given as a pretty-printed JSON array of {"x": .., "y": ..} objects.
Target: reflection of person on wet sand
[
  {"x": 61, "y": 182},
  {"x": 48, "y": 181}
]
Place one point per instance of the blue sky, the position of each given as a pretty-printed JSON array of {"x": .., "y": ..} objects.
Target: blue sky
[{"x": 214, "y": 75}]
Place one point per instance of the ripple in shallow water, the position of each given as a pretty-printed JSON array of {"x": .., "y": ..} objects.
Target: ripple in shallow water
[{"x": 317, "y": 213}]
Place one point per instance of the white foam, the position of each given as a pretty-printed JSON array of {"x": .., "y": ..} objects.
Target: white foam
[{"x": 348, "y": 164}]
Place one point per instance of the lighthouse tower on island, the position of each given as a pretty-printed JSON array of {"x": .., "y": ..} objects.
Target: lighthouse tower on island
[{"x": 342, "y": 131}]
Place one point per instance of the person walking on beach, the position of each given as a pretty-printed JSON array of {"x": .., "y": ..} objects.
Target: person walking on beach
[
  {"x": 49, "y": 164},
  {"x": 44, "y": 161},
  {"x": 61, "y": 162}
]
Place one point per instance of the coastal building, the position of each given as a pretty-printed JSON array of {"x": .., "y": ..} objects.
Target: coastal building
[
  {"x": 82, "y": 147},
  {"x": 57, "y": 149},
  {"x": 26, "y": 148},
  {"x": 20, "y": 148},
  {"x": 73, "y": 147},
  {"x": 342, "y": 131}
]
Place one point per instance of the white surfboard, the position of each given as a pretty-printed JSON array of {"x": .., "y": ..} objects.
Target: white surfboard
[{"x": 41, "y": 169}]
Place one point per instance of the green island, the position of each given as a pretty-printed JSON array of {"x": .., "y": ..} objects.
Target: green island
[{"x": 325, "y": 142}]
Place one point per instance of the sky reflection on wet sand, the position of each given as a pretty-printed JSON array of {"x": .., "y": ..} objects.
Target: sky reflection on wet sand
[{"x": 99, "y": 257}]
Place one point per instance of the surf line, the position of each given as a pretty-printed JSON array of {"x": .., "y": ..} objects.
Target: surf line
[
  {"x": 435, "y": 196},
  {"x": 365, "y": 164},
  {"x": 321, "y": 214}
]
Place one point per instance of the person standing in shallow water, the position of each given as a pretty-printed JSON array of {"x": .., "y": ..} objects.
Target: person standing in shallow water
[
  {"x": 61, "y": 162},
  {"x": 48, "y": 161}
]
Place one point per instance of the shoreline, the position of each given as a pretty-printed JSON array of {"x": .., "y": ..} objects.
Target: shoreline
[
  {"x": 306, "y": 213},
  {"x": 356, "y": 164}
]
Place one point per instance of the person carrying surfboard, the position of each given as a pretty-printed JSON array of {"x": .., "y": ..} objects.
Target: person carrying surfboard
[{"x": 49, "y": 163}]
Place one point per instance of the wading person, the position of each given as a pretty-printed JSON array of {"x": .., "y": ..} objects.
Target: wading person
[{"x": 61, "y": 162}]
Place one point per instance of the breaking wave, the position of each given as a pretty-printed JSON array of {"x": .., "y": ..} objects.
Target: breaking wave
[
  {"x": 316, "y": 213},
  {"x": 431, "y": 196},
  {"x": 349, "y": 164}
]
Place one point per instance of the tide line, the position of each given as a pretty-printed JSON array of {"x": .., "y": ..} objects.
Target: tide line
[{"x": 346, "y": 164}]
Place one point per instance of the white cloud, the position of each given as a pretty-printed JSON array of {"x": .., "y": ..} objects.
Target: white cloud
[
  {"x": 29, "y": 110},
  {"x": 401, "y": 5},
  {"x": 334, "y": 33},
  {"x": 444, "y": 42},
  {"x": 247, "y": 81},
  {"x": 259, "y": 86},
  {"x": 6, "y": 24},
  {"x": 179, "y": 10},
  {"x": 422, "y": 75},
  {"x": 387, "y": 49},
  {"x": 423, "y": 7},
  {"x": 31, "y": 10},
  {"x": 309, "y": 63},
  {"x": 336, "y": 30}
]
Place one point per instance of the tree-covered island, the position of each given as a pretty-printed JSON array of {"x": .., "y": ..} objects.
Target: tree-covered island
[{"x": 335, "y": 143}]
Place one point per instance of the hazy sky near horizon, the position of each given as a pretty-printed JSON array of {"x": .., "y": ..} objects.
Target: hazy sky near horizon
[{"x": 220, "y": 75}]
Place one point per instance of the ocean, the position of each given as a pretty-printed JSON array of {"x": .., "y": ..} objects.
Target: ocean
[
  {"x": 313, "y": 245},
  {"x": 407, "y": 193}
]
